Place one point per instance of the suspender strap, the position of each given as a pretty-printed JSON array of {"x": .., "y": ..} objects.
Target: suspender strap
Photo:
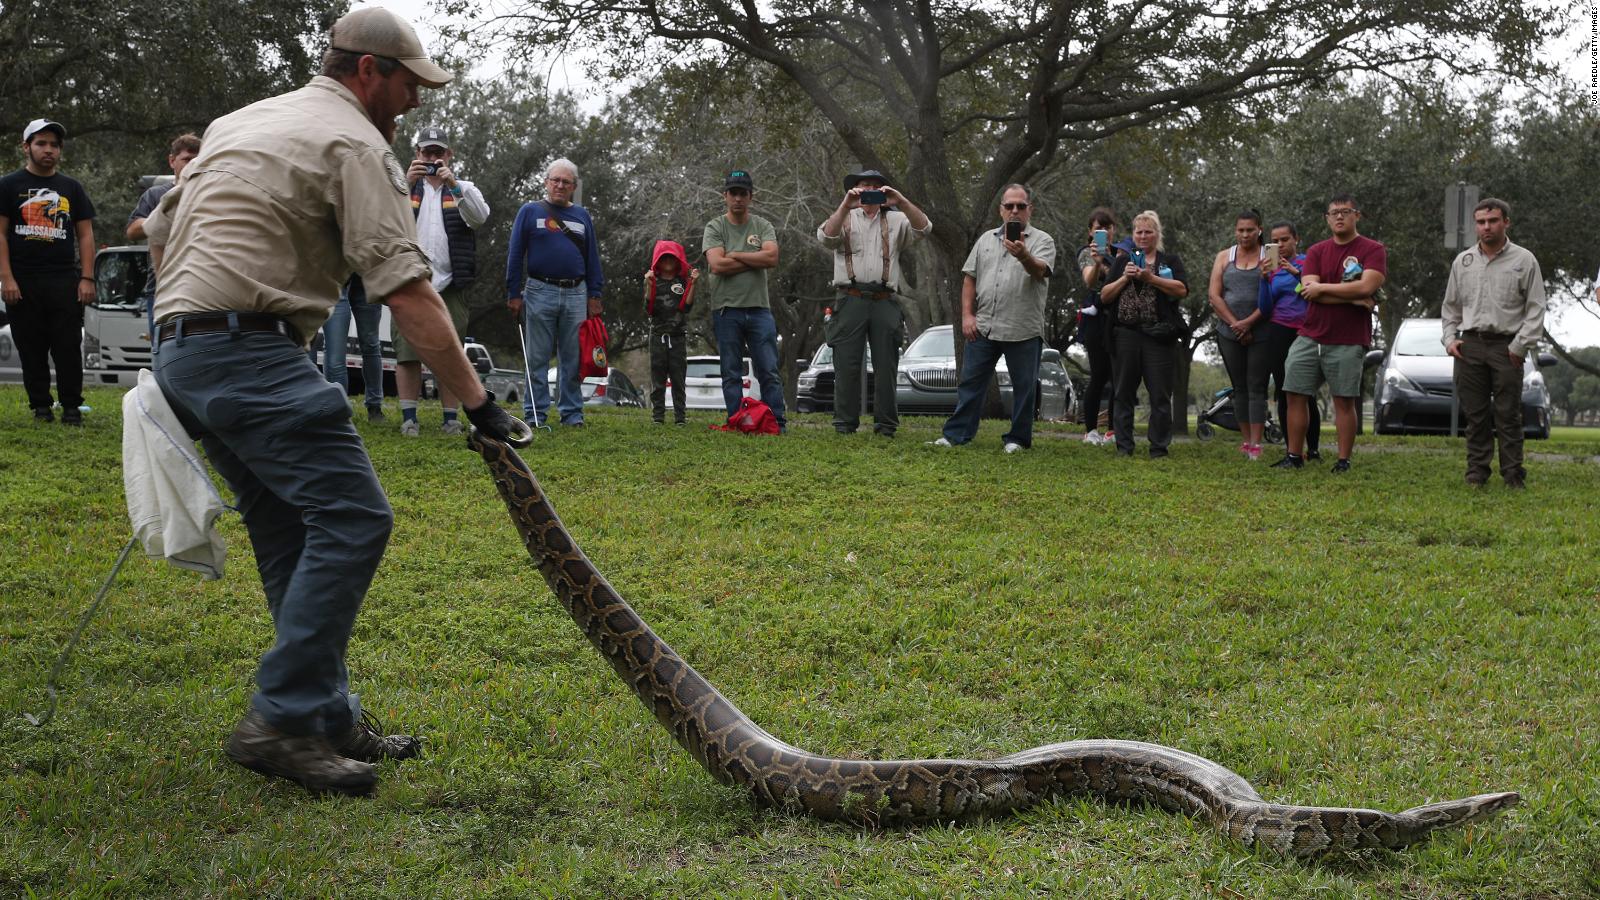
[{"x": 850, "y": 252}]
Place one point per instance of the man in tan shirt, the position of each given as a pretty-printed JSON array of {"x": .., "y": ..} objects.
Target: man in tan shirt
[
  {"x": 287, "y": 197},
  {"x": 1493, "y": 317},
  {"x": 867, "y": 239}
]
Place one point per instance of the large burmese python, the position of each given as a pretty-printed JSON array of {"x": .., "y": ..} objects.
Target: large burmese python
[{"x": 878, "y": 792}]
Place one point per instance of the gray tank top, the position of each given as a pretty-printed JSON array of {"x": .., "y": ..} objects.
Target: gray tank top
[{"x": 1240, "y": 290}]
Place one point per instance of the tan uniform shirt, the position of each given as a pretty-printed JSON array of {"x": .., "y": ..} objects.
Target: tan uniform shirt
[
  {"x": 866, "y": 247},
  {"x": 1504, "y": 295},
  {"x": 1010, "y": 302},
  {"x": 288, "y": 196}
]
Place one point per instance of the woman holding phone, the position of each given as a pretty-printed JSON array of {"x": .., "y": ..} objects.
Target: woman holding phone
[
  {"x": 1234, "y": 291},
  {"x": 1143, "y": 304},
  {"x": 1279, "y": 300},
  {"x": 1094, "y": 332}
]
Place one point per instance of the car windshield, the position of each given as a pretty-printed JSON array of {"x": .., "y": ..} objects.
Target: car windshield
[
  {"x": 934, "y": 343},
  {"x": 1418, "y": 342},
  {"x": 824, "y": 356},
  {"x": 708, "y": 368}
]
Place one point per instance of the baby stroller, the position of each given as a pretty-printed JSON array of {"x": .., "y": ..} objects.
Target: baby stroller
[{"x": 1220, "y": 415}]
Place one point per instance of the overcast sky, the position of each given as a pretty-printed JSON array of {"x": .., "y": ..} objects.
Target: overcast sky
[{"x": 1574, "y": 327}]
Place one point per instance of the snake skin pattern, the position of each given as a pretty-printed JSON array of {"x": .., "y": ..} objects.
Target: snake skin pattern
[{"x": 883, "y": 792}]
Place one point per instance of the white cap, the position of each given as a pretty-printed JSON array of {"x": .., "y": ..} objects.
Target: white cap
[{"x": 38, "y": 125}]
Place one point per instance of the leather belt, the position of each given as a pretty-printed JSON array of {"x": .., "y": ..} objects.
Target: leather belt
[
  {"x": 1478, "y": 332},
  {"x": 558, "y": 282},
  {"x": 213, "y": 323},
  {"x": 869, "y": 294}
]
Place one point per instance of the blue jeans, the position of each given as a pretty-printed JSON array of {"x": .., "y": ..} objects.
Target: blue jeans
[
  {"x": 550, "y": 319},
  {"x": 280, "y": 435},
  {"x": 336, "y": 340},
  {"x": 752, "y": 332},
  {"x": 1022, "y": 364}
]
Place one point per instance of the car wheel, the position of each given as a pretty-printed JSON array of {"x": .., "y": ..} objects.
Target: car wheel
[
  {"x": 1202, "y": 430},
  {"x": 1272, "y": 434}
]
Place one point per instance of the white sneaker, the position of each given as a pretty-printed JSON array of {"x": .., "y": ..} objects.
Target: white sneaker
[
  {"x": 1011, "y": 448},
  {"x": 941, "y": 442},
  {"x": 1093, "y": 438},
  {"x": 451, "y": 427},
  {"x": 410, "y": 428}
]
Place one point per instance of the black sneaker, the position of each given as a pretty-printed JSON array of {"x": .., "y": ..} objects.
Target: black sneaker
[
  {"x": 1313, "y": 455},
  {"x": 1340, "y": 467},
  {"x": 72, "y": 416},
  {"x": 43, "y": 414},
  {"x": 307, "y": 760},
  {"x": 366, "y": 741},
  {"x": 375, "y": 415},
  {"x": 1289, "y": 461}
]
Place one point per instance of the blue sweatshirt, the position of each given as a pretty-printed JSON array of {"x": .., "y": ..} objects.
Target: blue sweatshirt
[
  {"x": 1278, "y": 298},
  {"x": 537, "y": 250}
]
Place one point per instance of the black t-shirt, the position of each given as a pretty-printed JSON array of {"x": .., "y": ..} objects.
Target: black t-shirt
[
  {"x": 41, "y": 213},
  {"x": 148, "y": 201}
]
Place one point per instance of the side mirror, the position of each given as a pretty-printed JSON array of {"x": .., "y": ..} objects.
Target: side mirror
[
  {"x": 482, "y": 364},
  {"x": 1546, "y": 360},
  {"x": 1372, "y": 358}
]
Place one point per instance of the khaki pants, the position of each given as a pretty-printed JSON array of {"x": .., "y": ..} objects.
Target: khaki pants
[{"x": 1489, "y": 386}]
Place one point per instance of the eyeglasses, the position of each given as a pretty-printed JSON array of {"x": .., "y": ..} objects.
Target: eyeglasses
[
  {"x": 1342, "y": 213},
  {"x": 1014, "y": 207},
  {"x": 561, "y": 182}
]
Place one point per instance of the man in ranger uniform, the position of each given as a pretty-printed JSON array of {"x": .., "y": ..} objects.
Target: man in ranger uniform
[{"x": 287, "y": 197}]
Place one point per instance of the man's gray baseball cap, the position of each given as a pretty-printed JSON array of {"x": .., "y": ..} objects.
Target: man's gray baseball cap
[
  {"x": 38, "y": 125},
  {"x": 379, "y": 32},
  {"x": 432, "y": 136}
]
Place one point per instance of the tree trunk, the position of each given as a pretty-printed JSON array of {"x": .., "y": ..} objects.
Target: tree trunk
[{"x": 1180, "y": 387}]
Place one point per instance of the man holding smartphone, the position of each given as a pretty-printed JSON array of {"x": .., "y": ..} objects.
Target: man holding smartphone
[
  {"x": 867, "y": 238},
  {"x": 1002, "y": 314}
]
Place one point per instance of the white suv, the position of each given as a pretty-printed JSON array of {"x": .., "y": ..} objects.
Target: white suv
[{"x": 702, "y": 383}]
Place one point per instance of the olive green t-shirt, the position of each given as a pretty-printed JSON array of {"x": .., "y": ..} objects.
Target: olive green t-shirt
[{"x": 747, "y": 289}]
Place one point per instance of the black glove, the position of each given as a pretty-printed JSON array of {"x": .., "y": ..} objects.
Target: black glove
[{"x": 494, "y": 422}]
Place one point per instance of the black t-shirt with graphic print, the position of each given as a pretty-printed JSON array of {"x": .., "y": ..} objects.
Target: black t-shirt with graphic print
[{"x": 41, "y": 212}]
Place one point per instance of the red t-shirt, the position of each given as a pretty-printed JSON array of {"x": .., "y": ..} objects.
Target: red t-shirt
[{"x": 1341, "y": 323}]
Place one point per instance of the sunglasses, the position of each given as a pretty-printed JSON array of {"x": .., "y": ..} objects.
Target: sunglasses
[{"x": 1014, "y": 207}]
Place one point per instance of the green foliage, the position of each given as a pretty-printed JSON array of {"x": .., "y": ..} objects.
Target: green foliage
[
  {"x": 125, "y": 78},
  {"x": 1381, "y": 639},
  {"x": 1572, "y": 390}
]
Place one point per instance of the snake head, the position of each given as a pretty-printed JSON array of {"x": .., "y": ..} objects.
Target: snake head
[{"x": 1450, "y": 813}]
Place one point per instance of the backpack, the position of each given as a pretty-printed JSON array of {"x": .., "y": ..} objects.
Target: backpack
[
  {"x": 592, "y": 340},
  {"x": 753, "y": 417}
]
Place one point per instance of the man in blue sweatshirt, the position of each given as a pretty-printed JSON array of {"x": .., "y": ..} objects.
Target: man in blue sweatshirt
[{"x": 554, "y": 256}]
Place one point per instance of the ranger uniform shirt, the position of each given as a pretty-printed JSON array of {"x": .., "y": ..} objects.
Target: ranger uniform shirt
[
  {"x": 287, "y": 197},
  {"x": 1501, "y": 294},
  {"x": 1010, "y": 302},
  {"x": 866, "y": 250}
]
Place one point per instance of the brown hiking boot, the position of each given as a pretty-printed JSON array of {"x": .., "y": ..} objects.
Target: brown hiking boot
[
  {"x": 366, "y": 741},
  {"x": 307, "y": 760}
]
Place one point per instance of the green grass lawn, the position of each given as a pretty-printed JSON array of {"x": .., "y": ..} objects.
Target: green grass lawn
[{"x": 1384, "y": 638}]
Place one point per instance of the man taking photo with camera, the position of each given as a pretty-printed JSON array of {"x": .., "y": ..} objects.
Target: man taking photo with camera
[{"x": 449, "y": 212}]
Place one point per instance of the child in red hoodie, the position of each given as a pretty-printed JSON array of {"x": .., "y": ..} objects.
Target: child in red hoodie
[{"x": 668, "y": 293}]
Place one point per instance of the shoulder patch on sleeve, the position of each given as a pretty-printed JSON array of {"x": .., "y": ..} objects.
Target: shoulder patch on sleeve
[{"x": 397, "y": 175}]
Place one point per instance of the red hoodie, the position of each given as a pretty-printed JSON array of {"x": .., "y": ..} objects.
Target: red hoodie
[{"x": 674, "y": 250}]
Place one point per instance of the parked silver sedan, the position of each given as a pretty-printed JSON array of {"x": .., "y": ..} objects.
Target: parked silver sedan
[{"x": 927, "y": 378}]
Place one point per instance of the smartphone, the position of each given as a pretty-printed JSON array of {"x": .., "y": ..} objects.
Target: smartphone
[
  {"x": 1013, "y": 231},
  {"x": 878, "y": 197},
  {"x": 1269, "y": 258},
  {"x": 1101, "y": 239},
  {"x": 1138, "y": 258}
]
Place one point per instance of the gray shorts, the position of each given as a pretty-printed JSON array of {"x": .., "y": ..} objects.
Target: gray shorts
[
  {"x": 455, "y": 302},
  {"x": 1309, "y": 364}
]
